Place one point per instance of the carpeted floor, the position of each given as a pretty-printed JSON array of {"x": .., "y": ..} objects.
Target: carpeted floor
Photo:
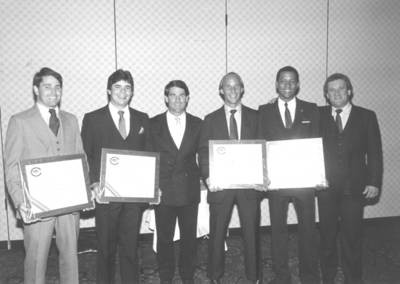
[{"x": 381, "y": 257}]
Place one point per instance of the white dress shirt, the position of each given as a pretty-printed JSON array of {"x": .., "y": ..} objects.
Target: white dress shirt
[
  {"x": 344, "y": 115},
  {"x": 237, "y": 115},
  {"x": 115, "y": 116},
  {"x": 291, "y": 106},
  {"x": 44, "y": 112},
  {"x": 176, "y": 126}
]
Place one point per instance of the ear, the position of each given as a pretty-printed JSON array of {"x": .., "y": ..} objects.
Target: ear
[
  {"x": 36, "y": 90},
  {"x": 166, "y": 99}
]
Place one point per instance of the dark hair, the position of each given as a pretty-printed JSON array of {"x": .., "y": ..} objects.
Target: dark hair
[
  {"x": 338, "y": 76},
  {"x": 288, "y": 69},
  {"x": 119, "y": 75},
  {"x": 176, "y": 83},
  {"x": 221, "y": 83},
  {"x": 45, "y": 71}
]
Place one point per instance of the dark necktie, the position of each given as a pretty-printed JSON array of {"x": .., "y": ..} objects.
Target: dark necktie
[
  {"x": 121, "y": 124},
  {"x": 288, "y": 118},
  {"x": 54, "y": 122},
  {"x": 338, "y": 120},
  {"x": 233, "y": 131}
]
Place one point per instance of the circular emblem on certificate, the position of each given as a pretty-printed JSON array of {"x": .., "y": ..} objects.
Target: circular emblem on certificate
[
  {"x": 221, "y": 150},
  {"x": 36, "y": 171},
  {"x": 114, "y": 160}
]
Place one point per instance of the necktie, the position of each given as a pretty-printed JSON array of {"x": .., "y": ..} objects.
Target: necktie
[
  {"x": 233, "y": 131},
  {"x": 54, "y": 122},
  {"x": 178, "y": 121},
  {"x": 288, "y": 118},
  {"x": 338, "y": 120},
  {"x": 178, "y": 135},
  {"x": 121, "y": 124}
]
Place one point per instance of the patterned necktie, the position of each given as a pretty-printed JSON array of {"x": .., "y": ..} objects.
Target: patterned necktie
[
  {"x": 233, "y": 131},
  {"x": 121, "y": 124},
  {"x": 54, "y": 122},
  {"x": 338, "y": 120},
  {"x": 288, "y": 118}
]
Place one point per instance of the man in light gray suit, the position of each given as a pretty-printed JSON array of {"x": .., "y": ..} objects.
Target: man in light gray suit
[{"x": 44, "y": 131}]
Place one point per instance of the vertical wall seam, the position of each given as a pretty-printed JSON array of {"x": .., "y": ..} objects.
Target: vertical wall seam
[
  {"x": 327, "y": 40},
  {"x": 115, "y": 36},
  {"x": 226, "y": 36}
]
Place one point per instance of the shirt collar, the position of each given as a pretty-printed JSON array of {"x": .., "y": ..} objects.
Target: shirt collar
[
  {"x": 291, "y": 103},
  {"x": 173, "y": 116},
  {"x": 44, "y": 110},
  {"x": 228, "y": 108},
  {"x": 345, "y": 110},
  {"x": 115, "y": 110}
]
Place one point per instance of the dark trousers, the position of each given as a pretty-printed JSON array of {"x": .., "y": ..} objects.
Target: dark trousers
[
  {"x": 344, "y": 213},
  {"x": 304, "y": 204},
  {"x": 165, "y": 223},
  {"x": 220, "y": 215},
  {"x": 117, "y": 226}
]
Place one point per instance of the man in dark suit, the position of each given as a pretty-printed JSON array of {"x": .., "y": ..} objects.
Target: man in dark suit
[
  {"x": 175, "y": 135},
  {"x": 231, "y": 121},
  {"x": 353, "y": 159},
  {"x": 116, "y": 126},
  {"x": 291, "y": 118},
  {"x": 44, "y": 131}
]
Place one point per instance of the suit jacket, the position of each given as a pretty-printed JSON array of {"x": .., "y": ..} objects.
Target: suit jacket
[
  {"x": 215, "y": 127},
  {"x": 99, "y": 131},
  {"x": 179, "y": 172},
  {"x": 360, "y": 162},
  {"x": 305, "y": 124},
  {"x": 29, "y": 136}
]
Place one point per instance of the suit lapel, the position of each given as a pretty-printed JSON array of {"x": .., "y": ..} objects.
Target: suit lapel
[
  {"x": 299, "y": 112},
  {"x": 246, "y": 124},
  {"x": 108, "y": 121},
  {"x": 135, "y": 125},
  {"x": 352, "y": 119},
  {"x": 277, "y": 114},
  {"x": 42, "y": 129},
  {"x": 166, "y": 133},
  {"x": 187, "y": 133},
  {"x": 222, "y": 124}
]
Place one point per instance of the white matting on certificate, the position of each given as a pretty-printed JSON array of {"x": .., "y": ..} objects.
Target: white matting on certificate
[
  {"x": 237, "y": 163},
  {"x": 56, "y": 185},
  {"x": 129, "y": 176},
  {"x": 296, "y": 163}
]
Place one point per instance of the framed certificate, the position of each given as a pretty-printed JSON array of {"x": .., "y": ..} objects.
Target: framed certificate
[
  {"x": 296, "y": 163},
  {"x": 237, "y": 163},
  {"x": 129, "y": 176},
  {"x": 56, "y": 185}
]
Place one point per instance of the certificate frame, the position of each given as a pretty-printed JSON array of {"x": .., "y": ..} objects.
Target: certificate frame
[
  {"x": 45, "y": 181},
  {"x": 255, "y": 158},
  {"x": 296, "y": 163},
  {"x": 150, "y": 161}
]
